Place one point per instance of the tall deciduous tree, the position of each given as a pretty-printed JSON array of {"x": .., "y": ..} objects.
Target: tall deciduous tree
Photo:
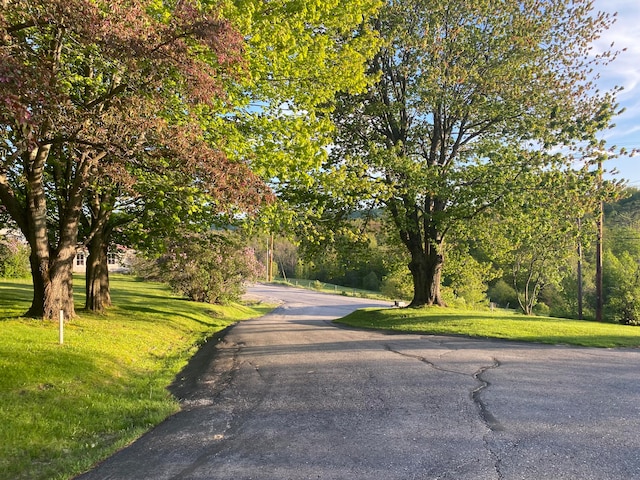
[
  {"x": 86, "y": 87},
  {"x": 300, "y": 54},
  {"x": 535, "y": 239},
  {"x": 149, "y": 204},
  {"x": 470, "y": 95}
]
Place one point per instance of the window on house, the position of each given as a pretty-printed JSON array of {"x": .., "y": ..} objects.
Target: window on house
[
  {"x": 80, "y": 258},
  {"x": 112, "y": 259}
]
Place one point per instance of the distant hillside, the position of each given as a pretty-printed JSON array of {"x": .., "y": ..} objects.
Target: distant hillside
[{"x": 625, "y": 212}]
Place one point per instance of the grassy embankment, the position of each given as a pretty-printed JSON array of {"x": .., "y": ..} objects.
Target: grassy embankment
[
  {"x": 495, "y": 324},
  {"x": 65, "y": 407},
  {"x": 330, "y": 288},
  {"x": 503, "y": 324}
]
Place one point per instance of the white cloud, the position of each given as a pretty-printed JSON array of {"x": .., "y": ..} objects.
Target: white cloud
[{"x": 624, "y": 72}]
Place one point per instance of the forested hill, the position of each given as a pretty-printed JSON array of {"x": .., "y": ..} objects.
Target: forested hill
[{"x": 624, "y": 212}]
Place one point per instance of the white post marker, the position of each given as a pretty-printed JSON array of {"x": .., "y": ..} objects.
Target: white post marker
[{"x": 61, "y": 327}]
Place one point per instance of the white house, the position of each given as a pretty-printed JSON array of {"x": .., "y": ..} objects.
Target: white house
[{"x": 119, "y": 259}]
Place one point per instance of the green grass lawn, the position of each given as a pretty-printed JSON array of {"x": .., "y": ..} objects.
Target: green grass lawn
[
  {"x": 65, "y": 407},
  {"x": 495, "y": 324}
]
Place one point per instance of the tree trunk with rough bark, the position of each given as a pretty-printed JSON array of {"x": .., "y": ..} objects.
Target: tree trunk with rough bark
[
  {"x": 51, "y": 270},
  {"x": 52, "y": 275},
  {"x": 39, "y": 277},
  {"x": 421, "y": 237},
  {"x": 426, "y": 271},
  {"x": 59, "y": 291},
  {"x": 98, "y": 223},
  {"x": 98, "y": 294}
]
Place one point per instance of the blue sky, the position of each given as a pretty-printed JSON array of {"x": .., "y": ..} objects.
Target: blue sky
[{"x": 625, "y": 72}]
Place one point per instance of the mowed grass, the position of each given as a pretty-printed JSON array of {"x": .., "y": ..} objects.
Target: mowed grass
[
  {"x": 65, "y": 407},
  {"x": 495, "y": 324}
]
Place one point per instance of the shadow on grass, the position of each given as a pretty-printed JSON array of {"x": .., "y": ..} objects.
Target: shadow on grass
[
  {"x": 146, "y": 301},
  {"x": 16, "y": 294},
  {"x": 15, "y": 298},
  {"x": 16, "y": 289},
  {"x": 152, "y": 314}
]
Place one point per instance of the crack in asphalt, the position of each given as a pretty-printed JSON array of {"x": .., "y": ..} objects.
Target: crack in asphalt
[
  {"x": 389, "y": 348},
  {"x": 486, "y": 416}
]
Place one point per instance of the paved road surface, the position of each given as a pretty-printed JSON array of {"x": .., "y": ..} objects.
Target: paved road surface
[{"x": 291, "y": 396}]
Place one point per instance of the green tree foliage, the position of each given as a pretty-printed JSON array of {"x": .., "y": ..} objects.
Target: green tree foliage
[
  {"x": 503, "y": 294},
  {"x": 625, "y": 212},
  {"x": 285, "y": 255},
  {"x": 300, "y": 54},
  {"x": 397, "y": 284},
  {"x": 468, "y": 276},
  {"x": 535, "y": 240},
  {"x": 296, "y": 55},
  {"x": 621, "y": 240},
  {"x": 470, "y": 96},
  {"x": 622, "y": 287},
  {"x": 141, "y": 213},
  {"x": 351, "y": 260},
  {"x": 621, "y": 282},
  {"x": 90, "y": 87},
  {"x": 209, "y": 267}
]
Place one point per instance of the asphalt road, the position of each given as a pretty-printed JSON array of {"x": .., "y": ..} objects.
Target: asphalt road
[{"x": 291, "y": 396}]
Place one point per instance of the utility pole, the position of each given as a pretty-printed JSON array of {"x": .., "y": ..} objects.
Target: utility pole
[
  {"x": 599, "y": 222},
  {"x": 270, "y": 259},
  {"x": 579, "y": 271}
]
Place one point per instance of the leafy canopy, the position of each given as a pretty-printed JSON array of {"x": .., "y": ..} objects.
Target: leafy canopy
[{"x": 471, "y": 97}]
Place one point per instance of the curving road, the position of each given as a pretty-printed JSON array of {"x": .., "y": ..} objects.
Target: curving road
[{"x": 291, "y": 396}]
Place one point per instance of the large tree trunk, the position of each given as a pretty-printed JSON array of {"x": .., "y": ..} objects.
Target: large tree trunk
[
  {"x": 52, "y": 269},
  {"x": 97, "y": 275},
  {"x": 419, "y": 233},
  {"x": 52, "y": 281},
  {"x": 59, "y": 292},
  {"x": 426, "y": 271},
  {"x": 35, "y": 229},
  {"x": 40, "y": 279}
]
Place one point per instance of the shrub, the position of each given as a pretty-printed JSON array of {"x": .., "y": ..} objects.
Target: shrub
[
  {"x": 451, "y": 299},
  {"x": 398, "y": 285},
  {"x": 371, "y": 282},
  {"x": 541, "y": 308},
  {"x": 625, "y": 309},
  {"x": 14, "y": 259},
  {"x": 473, "y": 292},
  {"x": 209, "y": 267},
  {"x": 623, "y": 298},
  {"x": 146, "y": 268},
  {"x": 503, "y": 294}
]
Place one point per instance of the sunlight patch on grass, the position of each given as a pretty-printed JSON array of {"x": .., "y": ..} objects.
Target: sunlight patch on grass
[
  {"x": 495, "y": 324},
  {"x": 65, "y": 407}
]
